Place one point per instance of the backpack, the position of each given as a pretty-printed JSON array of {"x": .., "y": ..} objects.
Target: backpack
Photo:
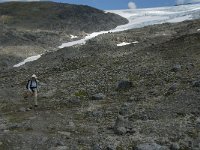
[{"x": 31, "y": 84}]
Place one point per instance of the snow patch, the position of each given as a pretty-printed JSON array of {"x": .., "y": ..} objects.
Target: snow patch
[
  {"x": 29, "y": 59},
  {"x": 125, "y": 43},
  {"x": 73, "y": 36},
  {"x": 198, "y": 29},
  {"x": 82, "y": 41},
  {"x": 135, "y": 42}
]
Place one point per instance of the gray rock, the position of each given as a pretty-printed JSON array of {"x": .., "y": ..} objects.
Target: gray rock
[
  {"x": 172, "y": 89},
  {"x": 22, "y": 109},
  {"x": 59, "y": 148},
  {"x": 96, "y": 147},
  {"x": 3, "y": 127},
  {"x": 174, "y": 146},
  {"x": 176, "y": 68},
  {"x": 75, "y": 100},
  {"x": 122, "y": 124},
  {"x": 124, "y": 84},
  {"x": 196, "y": 83},
  {"x": 111, "y": 147},
  {"x": 149, "y": 146},
  {"x": 121, "y": 130},
  {"x": 14, "y": 126},
  {"x": 198, "y": 123},
  {"x": 131, "y": 99},
  {"x": 125, "y": 110},
  {"x": 66, "y": 134},
  {"x": 98, "y": 96}
]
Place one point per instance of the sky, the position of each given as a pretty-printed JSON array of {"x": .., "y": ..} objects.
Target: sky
[{"x": 121, "y": 4}]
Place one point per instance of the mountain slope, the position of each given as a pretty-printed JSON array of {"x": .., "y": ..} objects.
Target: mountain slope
[
  {"x": 31, "y": 28},
  {"x": 57, "y": 16},
  {"x": 161, "y": 107}
]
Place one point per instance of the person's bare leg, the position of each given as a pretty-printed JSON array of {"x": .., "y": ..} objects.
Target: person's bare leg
[
  {"x": 35, "y": 97},
  {"x": 30, "y": 99}
]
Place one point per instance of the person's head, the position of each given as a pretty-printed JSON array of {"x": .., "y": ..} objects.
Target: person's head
[{"x": 33, "y": 77}]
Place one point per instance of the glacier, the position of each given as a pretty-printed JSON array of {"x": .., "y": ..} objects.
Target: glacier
[{"x": 139, "y": 18}]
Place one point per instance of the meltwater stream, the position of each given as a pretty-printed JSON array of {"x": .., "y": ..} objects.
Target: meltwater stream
[{"x": 138, "y": 18}]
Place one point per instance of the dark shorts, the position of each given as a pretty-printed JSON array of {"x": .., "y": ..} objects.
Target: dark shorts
[{"x": 33, "y": 89}]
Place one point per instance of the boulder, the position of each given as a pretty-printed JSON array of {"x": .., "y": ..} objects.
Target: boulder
[
  {"x": 196, "y": 83},
  {"x": 59, "y": 148},
  {"x": 125, "y": 110},
  {"x": 176, "y": 68},
  {"x": 172, "y": 89},
  {"x": 174, "y": 146},
  {"x": 122, "y": 125},
  {"x": 120, "y": 131},
  {"x": 99, "y": 96},
  {"x": 75, "y": 101},
  {"x": 124, "y": 84},
  {"x": 66, "y": 134},
  {"x": 150, "y": 146},
  {"x": 96, "y": 147}
]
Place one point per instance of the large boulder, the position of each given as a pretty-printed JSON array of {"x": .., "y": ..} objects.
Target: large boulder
[
  {"x": 99, "y": 96},
  {"x": 151, "y": 146},
  {"x": 196, "y": 83},
  {"x": 124, "y": 84},
  {"x": 174, "y": 146},
  {"x": 122, "y": 126},
  {"x": 176, "y": 68}
]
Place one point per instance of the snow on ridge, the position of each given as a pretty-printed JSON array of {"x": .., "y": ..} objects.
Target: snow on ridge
[
  {"x": 125, "y": 43},
  {"x": 29, "y": 59}
]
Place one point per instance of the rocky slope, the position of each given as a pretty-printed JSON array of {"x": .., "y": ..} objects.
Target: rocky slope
[
  {"x": 33, "y": 28},
  {"x": 100, "y": 96}
]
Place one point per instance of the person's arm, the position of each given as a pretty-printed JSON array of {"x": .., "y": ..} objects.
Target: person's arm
[
  {"x": 37, "y": 85},
  {"x": 29, "y": 85}
]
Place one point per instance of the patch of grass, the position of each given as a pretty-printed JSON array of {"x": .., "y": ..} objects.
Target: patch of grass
[
  {"x": 81, "y": 94},
  {"x": 17, "y": 117}
]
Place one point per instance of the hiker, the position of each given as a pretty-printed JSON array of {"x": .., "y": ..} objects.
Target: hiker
[{"x": 32, "y": 87}]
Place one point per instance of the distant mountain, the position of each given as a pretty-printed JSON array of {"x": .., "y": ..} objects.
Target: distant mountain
[{"x": 57, "y": 16}]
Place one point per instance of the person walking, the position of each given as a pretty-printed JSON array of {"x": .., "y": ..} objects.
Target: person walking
[{"x": 32, "y": 87}]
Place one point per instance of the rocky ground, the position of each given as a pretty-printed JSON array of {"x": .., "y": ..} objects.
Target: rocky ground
[{"x": 142, "y": 96}]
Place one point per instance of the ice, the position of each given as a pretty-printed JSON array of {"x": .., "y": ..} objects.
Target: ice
[{"x": 180, "y": 19}]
